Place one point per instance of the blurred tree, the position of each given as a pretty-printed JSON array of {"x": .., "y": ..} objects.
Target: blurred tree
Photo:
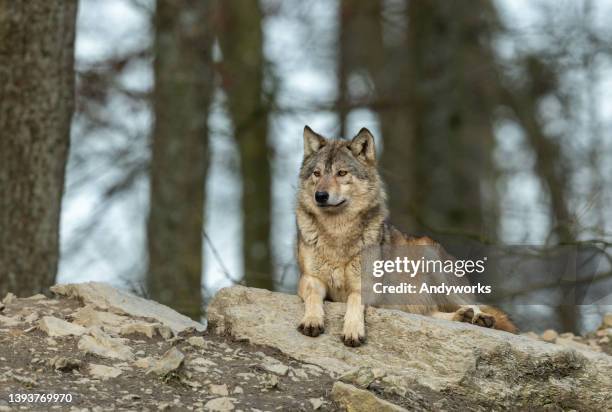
[
  {"x": 36, "y": 106},
  {"x": 182, "y": 94},
  {"x": 373, "y": 48},
  {"x": 523, "y": 97},
  {"x": 243, "y": 74},
  {"x": 434, "y": 75},
  {"x": 453, "y": 76}
]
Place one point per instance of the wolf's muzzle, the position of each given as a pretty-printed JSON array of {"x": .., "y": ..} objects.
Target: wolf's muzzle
[{"x": 321, "y": 197}]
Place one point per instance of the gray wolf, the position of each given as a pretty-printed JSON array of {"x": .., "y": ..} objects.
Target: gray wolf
[{"x": 341, "y": 209}]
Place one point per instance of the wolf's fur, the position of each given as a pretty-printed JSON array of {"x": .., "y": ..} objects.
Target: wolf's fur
[{"x": 331, "y": 237}]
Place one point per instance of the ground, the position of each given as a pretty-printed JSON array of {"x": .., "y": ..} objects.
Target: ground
[{"x": 255, "y": 378}]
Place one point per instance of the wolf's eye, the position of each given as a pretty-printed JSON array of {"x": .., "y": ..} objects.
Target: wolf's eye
[
  {"x": 342, "y": 173},
  {"x": 316, "y": 173}
]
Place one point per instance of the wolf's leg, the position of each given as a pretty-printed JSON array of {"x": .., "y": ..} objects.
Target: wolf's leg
[
  {"x": 312, "y": 291},
  {"x": 353, "y": 333},
  {"x": 473, "y": 314}
]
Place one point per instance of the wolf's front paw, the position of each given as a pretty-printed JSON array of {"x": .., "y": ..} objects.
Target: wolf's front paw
[
  {"x": 353, "y": 333},
  {"x": 468, "y": 315},
  {"x": 311, "y": 326}
]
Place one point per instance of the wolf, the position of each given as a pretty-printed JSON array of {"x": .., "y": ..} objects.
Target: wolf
[{"x": 341, "y": 210}]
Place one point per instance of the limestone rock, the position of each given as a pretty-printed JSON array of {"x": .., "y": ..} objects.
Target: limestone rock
[
  {"x": 144, "y": 363},
  {"x": 101, "y": 344},
  {"x": 165, "y": 332},
  {"x": 9, "y": 321},
  {"x": 220, "y": 390},
  {"x": 105, "y": 297},
  {"x": 425, "y": 357},
  {"x": 170, "y": 362},
  {"x": 570, "y": 343},
  {"x": 38, "y": 296},
  {"x": 9, "y": 298},
  {"x": 316, "y": 403},
  {"x": 549, "y": 335},
  {"x": 147, "y": 329},
  {"x": 88, "y": 316},
  {"x": 274, "y": 366},
  {"x": 197, "y": 342},
  {"x": 103, "y": 372},
  {"x": 219, "y": 404},
  {"x": 354, "y": 399},
  {"x": 53, "y": 326},
  {"x": 360, "y": 377},
  {"x": 31, "y": 318}
]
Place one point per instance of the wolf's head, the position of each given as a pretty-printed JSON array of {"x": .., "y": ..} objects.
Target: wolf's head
[{"x": 339, "y": 176}]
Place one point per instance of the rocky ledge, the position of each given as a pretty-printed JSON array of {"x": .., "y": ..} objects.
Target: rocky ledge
[
  {"x": 114, "y": 351},
  {"x": 420, "y": 363},
  {"x": 110, "y": 350}
]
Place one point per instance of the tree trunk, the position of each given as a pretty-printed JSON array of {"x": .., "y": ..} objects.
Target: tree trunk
[
  {"x": 242, "y": 69},
  {"x": 434, "y": 78},
  {"x": 455, "y": 79},
  {"x": 36, "y": 106},
  {"x": 387, "y": 63},
  {"x": 551, "y": 169},
  {"x": 182, "y": 95}
]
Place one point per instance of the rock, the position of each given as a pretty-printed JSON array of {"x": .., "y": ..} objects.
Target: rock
[
  {"x": 2, "y": 306},
  {"x": 268, "y": 380},
  {"x": 202, "y": 362},
  {"x": 9, "y": 298},
  {"x": 606, "y": 321},
  {"x": 38, "y": 296},
  {"x": 170, "y": 362},
  {"x": 53, "y": 326},
  {"x": 88, "y": 316},
  {"x": 198, "y": 342},
  {"x": 316, "y": 403},
  {"x": 549, "y": 335},
  {"x": 360, "y": 377},
  {"x": 64, "y": 364},
  {"x": 103, "y": 372},
  {"x": 31, "y": 318},
  {"x": 24, "y": 380},
  {"x": 193, "y": 383},
  {"x": 275, "y": 366},
  {"x": 238, "y": 390},
  {"x": 220, "y": 390},
  {"x": 165, "y": 332},
  {"x": 219, "y": 404},
  {"x": 144, "y": 363},
  {"x": 105, "y": 297},
  {"x": 101, "y": 344},
  {"x": 354, "y": 399},
  {"x": 531, "y": 335},
  {"x": 570, "y": 343},
  {"x": 9, "y": 321},
  {"x": 147, "y": 329},
  {"x": 432, "y": 358}
]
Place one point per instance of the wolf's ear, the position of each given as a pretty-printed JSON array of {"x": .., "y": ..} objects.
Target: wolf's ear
[
  {"x": 362, "y": 146},
  {"x": 312, "y": 141}
]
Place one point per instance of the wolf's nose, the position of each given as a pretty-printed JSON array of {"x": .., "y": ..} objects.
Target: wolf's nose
[{"x": 321, "y": 197}]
